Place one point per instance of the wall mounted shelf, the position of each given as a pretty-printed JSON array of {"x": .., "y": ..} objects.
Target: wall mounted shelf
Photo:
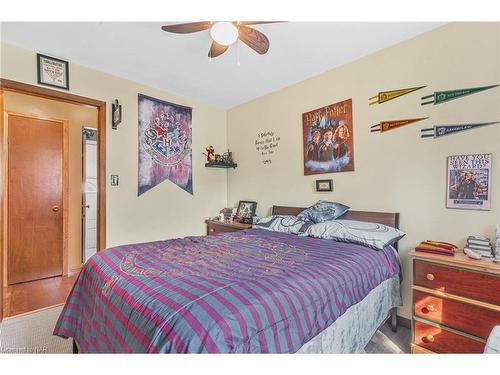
[{"x": 215, "y": 164}]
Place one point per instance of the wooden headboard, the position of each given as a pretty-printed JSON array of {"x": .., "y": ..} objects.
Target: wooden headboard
[{"x": 387, "y": 218}]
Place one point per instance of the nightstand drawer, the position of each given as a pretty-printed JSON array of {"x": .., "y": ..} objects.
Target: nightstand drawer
[
  {"x": 468, "y": 318},
  {"x": 216, "y": 228},
  {"x": 441, "y": 340},
  {"x": 456, "y": 281}
]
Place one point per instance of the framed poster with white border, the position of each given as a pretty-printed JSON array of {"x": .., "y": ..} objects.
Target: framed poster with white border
[
  {"x": 52, "y": 72},
  {"x": 469, "y": 182}
]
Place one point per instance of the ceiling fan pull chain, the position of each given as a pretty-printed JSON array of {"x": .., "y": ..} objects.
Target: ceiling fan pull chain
[
  {"x": 238, "y": 52},
  {"x": 210, "y": 54}
]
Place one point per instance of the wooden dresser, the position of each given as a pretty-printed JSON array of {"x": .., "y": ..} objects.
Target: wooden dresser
[
  {"x": 215, "y": 226},
  {"x": 456, "y": 303}
]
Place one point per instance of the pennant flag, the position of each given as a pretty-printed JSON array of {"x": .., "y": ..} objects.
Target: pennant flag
[
  {"x": 385, "y": 96},
  {"x": 445, "y": 96},
  {"x": 441, "y": 130},
  {"x": 389, "y": 125}
]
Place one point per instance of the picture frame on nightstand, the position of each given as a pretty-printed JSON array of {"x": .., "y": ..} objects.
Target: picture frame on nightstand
[{"x": 246, "y": 211}]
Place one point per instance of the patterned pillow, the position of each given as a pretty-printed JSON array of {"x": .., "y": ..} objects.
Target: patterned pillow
[
  {"x": 283, "y": 223},
  {"x": 373, "y": 235},
  {"x": 323, "y": 211}
]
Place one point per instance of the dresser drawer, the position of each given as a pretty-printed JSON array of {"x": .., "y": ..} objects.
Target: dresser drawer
[
  {"x": 456, "y": 281},
  {"x": 441, "y": 340},
  {"x": 415, "y": 349},
  {"x": 471, "y": 319}
]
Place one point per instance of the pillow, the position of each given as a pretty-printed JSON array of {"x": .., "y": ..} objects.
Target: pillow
[
  {"x": 283, "y": 223},
  {"x": 323, "y": 211},
  {"x": 373, "y": 235}
]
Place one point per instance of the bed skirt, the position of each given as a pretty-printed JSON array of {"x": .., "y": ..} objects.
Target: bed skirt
[{"x": 352, "y": 331}]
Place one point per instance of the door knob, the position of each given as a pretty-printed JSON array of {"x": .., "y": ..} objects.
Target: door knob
[
  {"x": 86, "y": 206},
  {"x": 55, "y": 208}
]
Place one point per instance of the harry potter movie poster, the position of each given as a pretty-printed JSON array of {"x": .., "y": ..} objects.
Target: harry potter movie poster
[{"x": 328, "y": 139}]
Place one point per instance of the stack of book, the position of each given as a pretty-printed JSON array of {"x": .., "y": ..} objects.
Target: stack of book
[
  {"x": 436, "y": 247},
  {"x": 481, "y": 245},
  {"x": 497, "y": 247}
]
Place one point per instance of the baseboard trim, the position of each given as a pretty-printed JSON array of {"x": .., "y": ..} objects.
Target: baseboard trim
[{"x": 404, "y": 322}]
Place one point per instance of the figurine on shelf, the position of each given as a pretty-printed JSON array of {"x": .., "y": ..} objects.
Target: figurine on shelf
[
  {"x": 210, "y": 153},
  {"x": 220, "y": 161}
]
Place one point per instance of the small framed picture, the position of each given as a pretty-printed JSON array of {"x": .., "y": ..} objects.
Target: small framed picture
[
  {"x": 52, "y": 72},
  {"x": 116, "y": 110},
  {"x": 246, "y": 211},
  {"x": 324, "y": 185}
]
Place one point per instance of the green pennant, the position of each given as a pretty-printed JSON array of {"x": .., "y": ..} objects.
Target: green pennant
[{"x": 445, "y": 96}]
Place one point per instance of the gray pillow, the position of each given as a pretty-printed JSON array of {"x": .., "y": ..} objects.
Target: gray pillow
[
  {"x": 373, "y": 235},
  {"x": 283, "y": 223},
  {"x": 323, "y": 211}
]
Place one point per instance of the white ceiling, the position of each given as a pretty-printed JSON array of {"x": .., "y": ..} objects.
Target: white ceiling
[{"x": 178, "y": 63}]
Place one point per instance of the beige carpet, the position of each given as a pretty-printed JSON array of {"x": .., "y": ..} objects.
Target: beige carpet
[{"x": 32, "y": 333}]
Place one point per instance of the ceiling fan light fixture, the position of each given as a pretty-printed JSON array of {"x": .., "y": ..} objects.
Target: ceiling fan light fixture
[{"x": 224, "y": 33}]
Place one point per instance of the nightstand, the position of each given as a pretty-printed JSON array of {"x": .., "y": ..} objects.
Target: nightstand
[
  {"x": 215, "y": 226},
  {"x": 456, "y": 303}
]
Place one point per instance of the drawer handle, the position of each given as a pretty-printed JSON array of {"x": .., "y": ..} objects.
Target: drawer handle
[
  {"x": 430, "y": 276},
  {"x": 212, "y": 230},
  {"x": 430, "y": 308},
  {"x": 428, "y": 338}
]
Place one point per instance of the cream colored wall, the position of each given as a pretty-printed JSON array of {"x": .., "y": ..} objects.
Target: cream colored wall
[
  {"x": 78, "y": 117},
  {"x": 165, "y": 211},
  {"x": 395, "y": 171}
]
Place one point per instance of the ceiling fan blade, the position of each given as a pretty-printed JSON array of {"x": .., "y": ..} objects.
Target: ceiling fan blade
[
  {"x": 186, "y": 28},
  {"x": 254, "y": 39},
  {"x": 217, "y": 49}
]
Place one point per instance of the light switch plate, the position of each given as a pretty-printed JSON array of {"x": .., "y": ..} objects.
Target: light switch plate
[{"x": 114, "y": 180}]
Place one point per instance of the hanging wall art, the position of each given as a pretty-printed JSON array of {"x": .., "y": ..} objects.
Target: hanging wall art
[
  {"x": 328, "y": 139},
  {"x": 385, "y": 96},
  {"x": 442, "y": 130},
  {"x": 384, "y": 126},
  {"x": 267, "y": 144},
  {"x": 164, "y": 144},
  {"x": 469, "y": 182},
  {"x": 445, "y": 96}
]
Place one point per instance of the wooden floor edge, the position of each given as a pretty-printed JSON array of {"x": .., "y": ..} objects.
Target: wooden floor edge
[{"x": 32, "y": 312}]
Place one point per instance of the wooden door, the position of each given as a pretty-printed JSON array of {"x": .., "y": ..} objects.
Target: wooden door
[{"x": 35, "y": 188}]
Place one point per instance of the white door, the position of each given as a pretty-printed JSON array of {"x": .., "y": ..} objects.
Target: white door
[{"x": 89, "y": 199}]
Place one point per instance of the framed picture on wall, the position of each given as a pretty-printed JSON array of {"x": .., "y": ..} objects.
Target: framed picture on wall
[
  {"x": 52, "y": 72},
  {"x": 469, "y": 182},
  {"x": 324, "y": 185}
]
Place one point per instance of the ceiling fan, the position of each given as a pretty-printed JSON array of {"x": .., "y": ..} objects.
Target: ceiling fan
[{"x": 224, "y": 34}]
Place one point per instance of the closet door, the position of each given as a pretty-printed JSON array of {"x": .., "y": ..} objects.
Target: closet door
[{"x": 35, "y": 198}]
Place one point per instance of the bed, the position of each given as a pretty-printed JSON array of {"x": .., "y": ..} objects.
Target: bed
[{"x": 251, "y": 291}]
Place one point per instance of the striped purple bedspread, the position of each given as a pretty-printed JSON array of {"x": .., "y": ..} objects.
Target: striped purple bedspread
[{"x": 252, "y": 291}]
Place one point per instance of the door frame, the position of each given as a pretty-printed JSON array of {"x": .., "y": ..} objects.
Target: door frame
[
  {"x": 24, "y": 88},
  {"x": 84, "y": 182},
  {"x": 65, "y": 188}
]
